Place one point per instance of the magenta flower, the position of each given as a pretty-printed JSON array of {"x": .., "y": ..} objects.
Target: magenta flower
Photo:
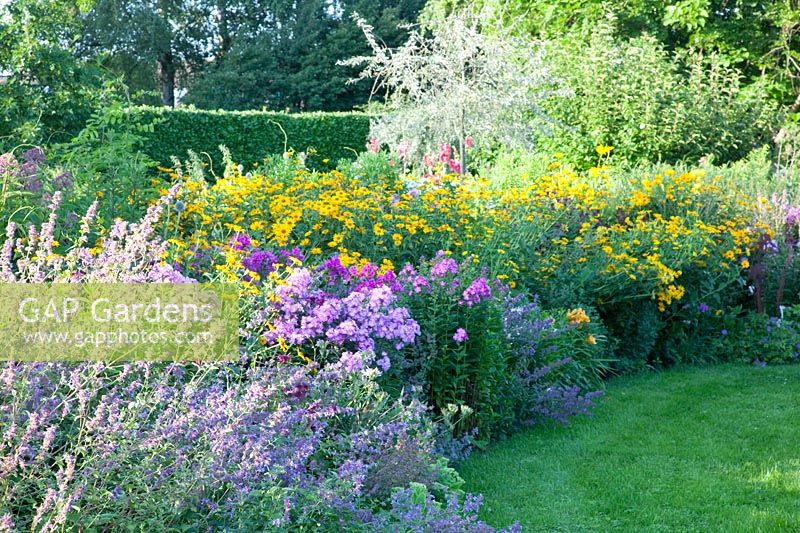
[
  {"x": 460, "y": 335},
  {"x": 445, "y": 151}
]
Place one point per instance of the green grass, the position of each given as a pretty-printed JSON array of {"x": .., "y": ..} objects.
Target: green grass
[{"x": 698, "y": 449}]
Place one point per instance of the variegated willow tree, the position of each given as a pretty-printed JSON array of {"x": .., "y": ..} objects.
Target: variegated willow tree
[{"x": 453, "y": 83}]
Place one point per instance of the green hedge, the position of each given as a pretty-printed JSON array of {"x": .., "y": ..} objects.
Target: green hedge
[{"x": 251, "y": 135}]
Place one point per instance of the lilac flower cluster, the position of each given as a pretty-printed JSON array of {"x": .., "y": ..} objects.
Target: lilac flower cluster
[
  {"x": 28, "y": 173},
  {"x": 355, "y": 310},
  {"x": 25, "y": 170},
  {"x": 477, "y": 291}
]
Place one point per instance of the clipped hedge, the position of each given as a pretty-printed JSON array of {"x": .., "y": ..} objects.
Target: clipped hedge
[{"x": 250, "y": 135}]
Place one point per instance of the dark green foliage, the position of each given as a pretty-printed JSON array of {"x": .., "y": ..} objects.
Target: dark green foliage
[
  {"x": 476, "y": 374},
  {"x": 251, "y": 135},
  {"x": 756, "y": 337},
  {"x": 167, "y": 38},
  {"x": 291, "y": 65},
  {"x": 752, "y": 35},
  {"x": 649, "y": 105},
  {"x": 106, "y": 165},
  {"x": 636, "y": 326}
]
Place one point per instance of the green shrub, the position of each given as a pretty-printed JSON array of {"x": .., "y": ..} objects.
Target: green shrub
[
  {"x": 251, "y": 135},
  {"x": 649, "y": 105},
  {"x": 758, "y": 337}
]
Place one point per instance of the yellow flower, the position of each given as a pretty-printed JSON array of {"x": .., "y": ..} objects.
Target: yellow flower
[
  {"x": 590, "y": 339},
  {"x": 578, "y": 316},
  {"x": 337, "y": 240},
  {"x": 398, "y": 239},
  {"x": 386, "y": 265},
  {"x": 639, "y": 199},
  {"x": 603, "y": 149}
]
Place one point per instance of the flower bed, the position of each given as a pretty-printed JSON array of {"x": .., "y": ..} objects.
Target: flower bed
[{"x": 389, "y": 323}]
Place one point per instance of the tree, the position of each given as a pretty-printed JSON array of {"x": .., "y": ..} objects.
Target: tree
[
  {"x": 290, "y": 60},
  {"x": 172, "y": 37},
  {"x": 456, "y": 83},
  {"x": 749, "y": 35},
  {"x": 49, "y": 92}
]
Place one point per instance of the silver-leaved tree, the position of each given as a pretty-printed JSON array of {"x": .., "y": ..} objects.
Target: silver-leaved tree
[{"x": 453, "y": 84}]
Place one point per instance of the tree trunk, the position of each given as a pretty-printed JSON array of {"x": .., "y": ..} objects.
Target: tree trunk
[
  {"x": 166, "y": 63},
  {"x": 224, "y": 34},
  {"x": 166, "y": 78}
]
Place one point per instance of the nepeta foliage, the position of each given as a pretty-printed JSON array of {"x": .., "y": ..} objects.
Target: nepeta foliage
[{"x": 453, "y": 83}]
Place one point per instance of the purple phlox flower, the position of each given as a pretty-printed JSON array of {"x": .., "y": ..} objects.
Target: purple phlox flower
[
  {"x": 384, "y": 363},
  {"x": 351, "y": 362},
  {"x": 460, "y": 335},
  {"x": 240, "y": 241},
  {"x": 443, "y": 267},
  {"x": 478, "y": 290}
]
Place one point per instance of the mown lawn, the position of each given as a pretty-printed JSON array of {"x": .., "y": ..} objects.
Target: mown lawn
[{"x": 696, "y": 449}]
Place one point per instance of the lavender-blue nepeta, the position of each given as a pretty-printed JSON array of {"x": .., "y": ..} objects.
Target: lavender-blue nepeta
[
  {"x": 532, "y": 335},
  {"x": 415, "y": 509},
  {"x": 204, "y": 437}
]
